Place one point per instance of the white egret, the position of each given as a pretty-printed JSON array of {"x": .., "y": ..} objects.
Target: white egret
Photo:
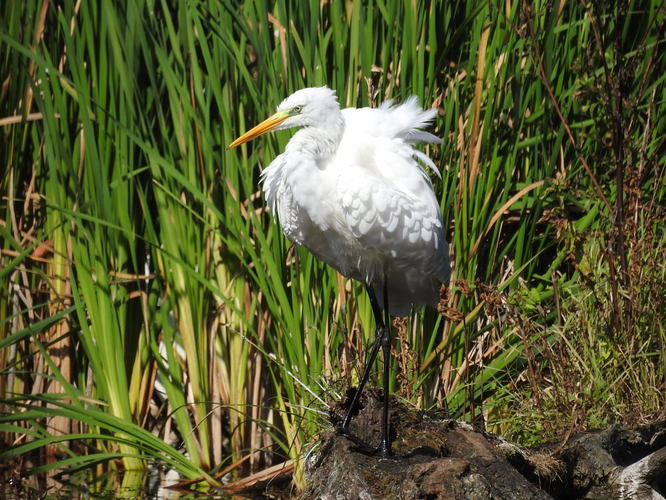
[{"x": 352, "y": 189}]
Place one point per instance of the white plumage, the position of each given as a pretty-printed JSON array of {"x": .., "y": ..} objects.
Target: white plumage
[{"x": 351, "y": 188}]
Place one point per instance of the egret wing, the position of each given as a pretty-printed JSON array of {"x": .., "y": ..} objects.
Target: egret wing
[{"x": 388, "y": 204}]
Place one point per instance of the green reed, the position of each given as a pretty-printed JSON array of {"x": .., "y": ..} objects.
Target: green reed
[{"x": 151, "y": 306}]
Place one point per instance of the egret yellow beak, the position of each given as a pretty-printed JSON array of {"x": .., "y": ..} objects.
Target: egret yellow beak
[{"x": 266, "y": 126}]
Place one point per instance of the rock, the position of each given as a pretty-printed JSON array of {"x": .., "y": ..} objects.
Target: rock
[
  {"x": 434, "y": 458},
  {"x": 615, "y": 463},
  {"x": 439, "y": 458}
]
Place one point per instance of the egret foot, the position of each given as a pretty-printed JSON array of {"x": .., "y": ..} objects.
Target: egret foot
[
  {"x": 360, "y": 446},
  {"x": 370, "y": 415}
]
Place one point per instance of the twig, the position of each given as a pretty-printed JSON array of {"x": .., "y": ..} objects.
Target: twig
[{"x": 565, "y": 123}]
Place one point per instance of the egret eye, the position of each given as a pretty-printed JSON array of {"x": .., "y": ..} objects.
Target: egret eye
[{"x": 298, "y": 109}]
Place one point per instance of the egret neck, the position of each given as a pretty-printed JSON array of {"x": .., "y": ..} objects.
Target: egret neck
[{"x": 320, "y": 140}]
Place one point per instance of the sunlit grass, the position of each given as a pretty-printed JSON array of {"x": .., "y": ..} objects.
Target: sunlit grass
[{"x": 149, "y": 297}]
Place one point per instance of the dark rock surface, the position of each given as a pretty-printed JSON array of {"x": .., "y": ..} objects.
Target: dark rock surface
[{"x": 439, "y": 458}]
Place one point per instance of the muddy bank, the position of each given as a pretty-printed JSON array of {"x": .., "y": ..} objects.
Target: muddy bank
[{"x": 439, "y": 458}]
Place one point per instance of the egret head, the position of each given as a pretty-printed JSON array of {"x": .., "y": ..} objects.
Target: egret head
[{"x": 306, "y": 107}]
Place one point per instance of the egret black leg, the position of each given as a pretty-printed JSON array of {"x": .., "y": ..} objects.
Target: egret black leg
[
  {"x": 382, "y": 339},
  {"x": 385, "y": 443},
  {"x": 379, "y": 334}
]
